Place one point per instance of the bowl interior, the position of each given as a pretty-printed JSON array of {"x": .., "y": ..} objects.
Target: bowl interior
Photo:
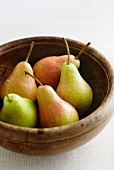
[{"x": 91, "y": 69}]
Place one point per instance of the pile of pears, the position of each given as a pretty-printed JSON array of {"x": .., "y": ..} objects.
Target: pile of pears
[{"x": 52, "y": 93}]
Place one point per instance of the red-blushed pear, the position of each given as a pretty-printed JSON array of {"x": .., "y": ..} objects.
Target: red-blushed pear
[
  {"x": 53, "y": 111},
  {"x": 73, "y": 88},
  {"x": 48, "y": 69},
  {"x": 19, "y": 83}
]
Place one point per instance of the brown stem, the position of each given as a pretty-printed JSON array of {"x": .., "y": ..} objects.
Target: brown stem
[
  {"x": 30, "y": 50},
  {"x": 39, "y": 83},
  {"x": 68, "y": 51},
  {"x": 82, "y": 50}
]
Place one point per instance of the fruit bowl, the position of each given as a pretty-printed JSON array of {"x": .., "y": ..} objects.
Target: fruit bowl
[{"x": 95, "y": 69}]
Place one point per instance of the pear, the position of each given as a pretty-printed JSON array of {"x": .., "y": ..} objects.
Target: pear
[
  {"x": 18, "y": 111},
  {"x": 54, "y": 111},
  {"x": 48, "y": 69},
  {"x": 73, "y": 88},
  {"x": 19, "y": 83}
]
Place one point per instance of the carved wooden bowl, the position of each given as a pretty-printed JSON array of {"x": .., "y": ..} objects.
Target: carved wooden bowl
[{"x": 95, "y": 69}]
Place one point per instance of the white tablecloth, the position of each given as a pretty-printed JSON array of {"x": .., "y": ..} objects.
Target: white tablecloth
[{"x": 83, "y": 20}]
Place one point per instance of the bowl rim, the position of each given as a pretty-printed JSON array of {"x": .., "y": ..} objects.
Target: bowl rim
[{"x": 90, "y": 120}]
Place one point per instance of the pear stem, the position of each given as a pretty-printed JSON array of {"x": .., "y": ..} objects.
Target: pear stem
[
  {"x": 30, "y": 50},
  {"x": 39, "y": 83},
  {"x": 82, "y": 50},
  {"x": 68, "y": 51},
  {"x": 7, "y": 83}
]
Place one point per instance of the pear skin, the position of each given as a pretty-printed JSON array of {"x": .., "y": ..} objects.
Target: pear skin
[
  {"x": 19, "y": 83},
  {"x": 74, "y": 89},
  {"x": 53, "y": 111},
  {"x": 19, "y": 111},
  {"x": 48, "y": 69}
]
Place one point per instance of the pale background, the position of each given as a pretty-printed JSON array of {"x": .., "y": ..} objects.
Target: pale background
[{"x": 83, "y": 20}]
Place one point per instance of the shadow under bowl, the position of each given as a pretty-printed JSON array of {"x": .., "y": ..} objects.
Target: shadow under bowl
[{"x": 95, "y": 69}]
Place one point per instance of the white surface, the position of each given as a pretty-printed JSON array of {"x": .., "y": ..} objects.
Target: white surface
[{"x": 83, "y": 20}]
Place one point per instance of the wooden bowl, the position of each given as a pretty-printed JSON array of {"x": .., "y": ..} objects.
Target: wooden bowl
[{"x": 49, "y": 141}]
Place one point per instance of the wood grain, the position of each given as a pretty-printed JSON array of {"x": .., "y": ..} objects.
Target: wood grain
[{"x": 95, "y": 69}]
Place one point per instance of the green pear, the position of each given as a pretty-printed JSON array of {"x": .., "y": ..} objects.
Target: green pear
[
  {"x": 19, "y": 83},
  {"x": 19, "y": 111},
  {"x": 54, "y": 111},
  {"x": 73, "y": 88},
  {"x": 48, "y": 69}
]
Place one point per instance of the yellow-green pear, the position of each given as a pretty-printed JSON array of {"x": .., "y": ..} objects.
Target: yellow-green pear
[
  {"x": 19, "y": 111},
  {"x": 48, "y": 69},
  {"x": 73, "y": 88},
  {"x": 19, "y": 83},
  {"x": 54, "y": 111}
]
